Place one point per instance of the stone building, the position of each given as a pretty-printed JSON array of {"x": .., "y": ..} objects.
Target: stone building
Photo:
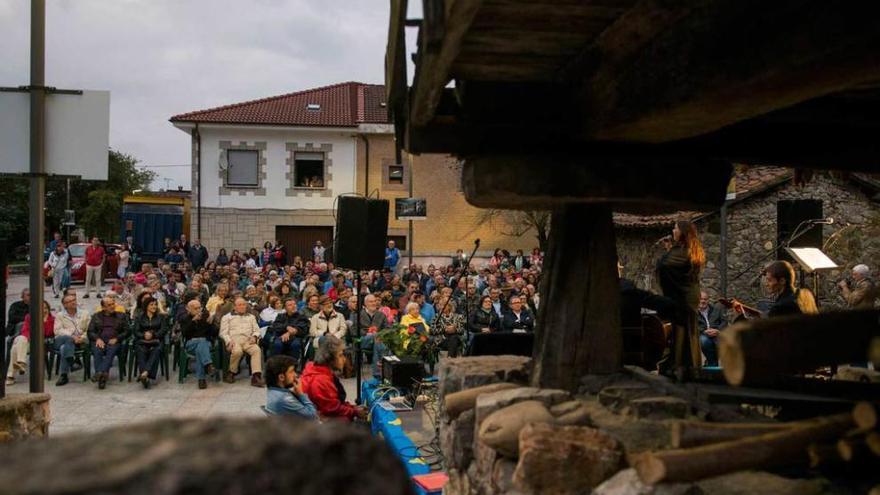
[
  {"x": 769, "y": 204},
  {"x": 272, "y": 169}
]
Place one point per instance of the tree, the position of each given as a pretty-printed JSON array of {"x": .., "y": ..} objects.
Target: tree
[
  {"x": 98, "y": 214},
  {"x": 517, "y": 223}
]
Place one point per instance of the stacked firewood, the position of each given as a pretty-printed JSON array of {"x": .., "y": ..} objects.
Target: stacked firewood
[{"x": 702, "y": 449}]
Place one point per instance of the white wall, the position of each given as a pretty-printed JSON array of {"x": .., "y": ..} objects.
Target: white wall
[{"x": 342, "y": 169}]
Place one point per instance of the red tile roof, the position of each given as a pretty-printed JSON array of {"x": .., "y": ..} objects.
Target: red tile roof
[
  {"x": 341, "y": 105},
  {"x": 749, "y": 181}
]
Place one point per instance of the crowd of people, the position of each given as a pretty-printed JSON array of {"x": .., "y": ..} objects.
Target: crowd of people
[{"x": 300, "y": 314}]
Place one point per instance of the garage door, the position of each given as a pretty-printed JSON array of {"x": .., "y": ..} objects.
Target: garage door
[{"x": 300, "y": 240}]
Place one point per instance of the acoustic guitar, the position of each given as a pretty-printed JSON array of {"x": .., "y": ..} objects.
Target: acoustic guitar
[{"x": 745, "y": 310}]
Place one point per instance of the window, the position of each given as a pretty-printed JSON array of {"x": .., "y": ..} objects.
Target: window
[
  {"x": 395, "y": 174},
  {"x": 242, "y": 168},
  {"x": 309, "y": 170},
  {"x": 399, "y": 241}
]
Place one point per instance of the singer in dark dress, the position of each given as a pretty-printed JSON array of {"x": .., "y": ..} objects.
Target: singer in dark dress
[{"x": 678, "y": 271}]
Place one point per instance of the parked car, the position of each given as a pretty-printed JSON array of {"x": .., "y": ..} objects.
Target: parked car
[{"x": 78, "y": 263}]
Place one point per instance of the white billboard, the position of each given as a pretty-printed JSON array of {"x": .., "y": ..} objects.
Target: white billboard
[{"x": 77, "y": 133}]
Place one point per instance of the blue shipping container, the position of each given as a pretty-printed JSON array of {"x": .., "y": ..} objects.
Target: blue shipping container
[{"x": 149, "y": 225}]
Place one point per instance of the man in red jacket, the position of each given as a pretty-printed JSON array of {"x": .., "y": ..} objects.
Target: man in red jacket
[
  {"x": 95, "y": 256},
  {"x": 320, "y": 383}
]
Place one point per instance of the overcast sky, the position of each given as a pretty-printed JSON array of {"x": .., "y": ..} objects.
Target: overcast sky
[{"x": 159, "y": 58}]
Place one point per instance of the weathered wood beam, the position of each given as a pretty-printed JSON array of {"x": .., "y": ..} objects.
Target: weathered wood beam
[
  {"x": 758, "y": 351},
  {"x": 693, "y": 433},
  {"x": 396, "y": 88},
  {"x": 580, "y": 333},
  {"x": 672, "y": 70},
  {"x": 433, "y": 67},
  {"x": 546, "y": 181}
]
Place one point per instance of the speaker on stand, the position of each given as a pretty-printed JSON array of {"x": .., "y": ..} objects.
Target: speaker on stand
[{"x": 359, "y": 244}]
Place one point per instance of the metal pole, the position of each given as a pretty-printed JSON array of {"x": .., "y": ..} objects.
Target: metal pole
[
  {"x": 37, "y": 190},
  {"x": 3, "y": 264},
  {"x": 357, "y": 337},
  {"x": 410, "y": 244},
  {"x": 67, "y": 207},
  {"x": 723, "y": 246}
]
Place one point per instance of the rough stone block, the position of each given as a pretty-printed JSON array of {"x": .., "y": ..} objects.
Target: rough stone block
[
  {"x": 627, "y": 482},
  {"x": 457, "y": 402},
  {"x": 24, "y": 416},
  {"x": 467, "y": 372},
  {"x": 761, "y": 483},
  {"x": 502, "y": 476},
  {"x": 588, "y": 455},
  {"x": 457, "y": 440},
  {"x": 500, "y": 430},
  {"x": 659, "y": 408},
  {"x": 489, "y": 403}
]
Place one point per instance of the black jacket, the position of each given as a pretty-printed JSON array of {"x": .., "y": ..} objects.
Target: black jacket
[
  {"x": 194, "y": 329},
  {"x": 17, "y": 311},
  {"x": 526, "y": 321},
  {"x": 717, "y": 317},
  {"x": 481, "y": 319},
  {"x": 158, "y": 325},
  {"x": 678, "y": 279},
  {"x": 786, "y": 304},
  {"x": 378, "y": 320},
  {"x": 120, "y": 326},
  {"x": 296, "y": 320},
  {"x": 197, "y": 255}
]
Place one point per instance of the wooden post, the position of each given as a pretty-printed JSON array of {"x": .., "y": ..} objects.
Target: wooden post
[{"x": 579, "y": 323}]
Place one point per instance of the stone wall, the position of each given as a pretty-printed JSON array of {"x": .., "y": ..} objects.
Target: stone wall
[
  {"x": 854, "y": 238},
  {"x": 24, "y": 416},
  {"x": 234, "y": 228}
]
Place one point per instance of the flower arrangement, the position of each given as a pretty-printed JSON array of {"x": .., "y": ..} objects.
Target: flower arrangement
[{"x": 407, "y": 341}]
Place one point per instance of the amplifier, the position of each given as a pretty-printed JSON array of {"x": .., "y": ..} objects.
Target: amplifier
[{"x": 402, "y": 372}]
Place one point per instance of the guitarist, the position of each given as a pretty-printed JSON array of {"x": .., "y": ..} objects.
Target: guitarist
[{"x": 779, "y": 279}]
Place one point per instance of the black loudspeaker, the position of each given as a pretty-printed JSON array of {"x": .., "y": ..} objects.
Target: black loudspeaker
[{"x": 361, "y": 230}]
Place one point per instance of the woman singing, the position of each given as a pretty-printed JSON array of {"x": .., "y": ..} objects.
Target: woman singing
[{"x": 679, "y": 273}]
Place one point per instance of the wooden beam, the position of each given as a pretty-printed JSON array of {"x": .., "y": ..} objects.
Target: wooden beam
[
  {"x": 672, "y": 70},
  {"x": 758, "y": 351},
  {"x": 580, "y": 332},
  {"x": 433, "y": 70},
  {"x": 395, "y": 69},
  {"x": 639, "y": 185}
]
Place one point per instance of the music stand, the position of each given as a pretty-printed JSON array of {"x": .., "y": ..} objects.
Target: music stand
[{"x": 812, "y": 260}]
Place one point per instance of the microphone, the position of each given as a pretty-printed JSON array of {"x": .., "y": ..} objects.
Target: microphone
[
  {"x": 477, "y": 243},
  {"x": 822, "y": 221}
]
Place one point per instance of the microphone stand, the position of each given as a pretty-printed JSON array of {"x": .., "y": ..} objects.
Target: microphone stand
[
  {"x": 796, "y": 235},
  {"x": 466, "y": 270}
]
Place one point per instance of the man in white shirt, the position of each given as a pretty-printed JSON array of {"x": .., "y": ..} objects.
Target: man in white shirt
[
  {"x": 241, "y": 334},
  {"x": 71, "y": 330}
]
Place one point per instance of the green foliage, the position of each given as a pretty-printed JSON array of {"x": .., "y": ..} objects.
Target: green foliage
[
  {"x": 98, "y": 204},
  {"x": 405, "y": 341}
]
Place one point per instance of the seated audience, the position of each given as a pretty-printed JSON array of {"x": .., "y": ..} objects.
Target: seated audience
[
  {"x": 517, "y": 319},
  {"x": 320, "y": 383},
  {"x": 284, "y": 392},
  {"x": 448, "y": 328},
  {"x": 71, "y": 331},
  {"x": 150, "y": 328},
  {"x": 196, "y": 333},
  {"x": 18, "y": 354},
  {"x": 327, "y": 322},
  {"x": 484, "y": 319},
  {"x": 288, "y": 331},
  {"x": 711, "y": 319},
  {"x": 108, "y": 330},
  {"x": 241, "y": 334}
]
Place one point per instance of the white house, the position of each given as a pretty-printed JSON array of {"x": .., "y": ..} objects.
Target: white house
[{"x": 271, "y": 169}]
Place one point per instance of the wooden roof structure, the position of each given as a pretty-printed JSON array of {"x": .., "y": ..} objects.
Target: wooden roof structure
[{"x": 794, "y": 82}]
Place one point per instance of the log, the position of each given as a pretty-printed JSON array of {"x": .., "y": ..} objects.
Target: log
[
  {"x": 865, "y": 415},
  {"x": 580, "y": 332},
  {"x": 872, "y": 440},
  {"x": 758, "y": 452},
  {"x": 216, "y": 456},
  {"x": 823, "y": 454},
  {"x": 852, "y": 448},
  {"x": 694, "y": 433},
  {"x": 758, "y": 351}
]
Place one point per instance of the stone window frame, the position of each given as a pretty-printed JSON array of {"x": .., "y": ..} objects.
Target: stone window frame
[
  {"x": 387, "y": 185},
  {"x": 290, "y": 176},
  {"x": 260, "y": 148}
]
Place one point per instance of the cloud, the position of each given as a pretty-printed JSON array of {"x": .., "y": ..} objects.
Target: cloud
[{"x": 163, "y": 57}]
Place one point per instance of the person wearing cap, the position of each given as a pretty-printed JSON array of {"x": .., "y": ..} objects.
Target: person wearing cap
[{"x": 862, "y": 291}]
